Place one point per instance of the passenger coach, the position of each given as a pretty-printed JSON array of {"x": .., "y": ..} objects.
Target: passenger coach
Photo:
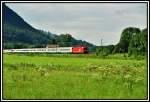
[{"x": 74, "y": 50}]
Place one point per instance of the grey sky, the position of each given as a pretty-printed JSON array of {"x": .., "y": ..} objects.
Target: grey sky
[{"x": 85, "y": 21}]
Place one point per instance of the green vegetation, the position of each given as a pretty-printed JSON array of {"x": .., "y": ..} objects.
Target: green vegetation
[
  {"x": 41, "y": 77},
  {"x": 133, "y": 41}
]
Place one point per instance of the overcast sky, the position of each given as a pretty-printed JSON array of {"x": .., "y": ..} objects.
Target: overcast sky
[{"x": 84, "y": 21}]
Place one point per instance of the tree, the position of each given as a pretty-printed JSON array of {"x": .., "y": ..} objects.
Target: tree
[
  {"x": 54, "y": 41},
  {"x": 125, "y": 39},
  {"x": 138, "y": 44},
  {"x": 104, "y": 50}
]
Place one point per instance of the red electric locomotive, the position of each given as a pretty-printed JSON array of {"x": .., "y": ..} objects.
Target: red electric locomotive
[{"x": 78, "y": 50}]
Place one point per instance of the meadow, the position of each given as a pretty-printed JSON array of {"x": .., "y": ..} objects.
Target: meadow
[{"x": 64, "y": 77}]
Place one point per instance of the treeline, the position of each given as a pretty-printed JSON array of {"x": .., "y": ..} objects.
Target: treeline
[
  {"x": 133, "y": 41},
  {"x": 14, "y": 37}
]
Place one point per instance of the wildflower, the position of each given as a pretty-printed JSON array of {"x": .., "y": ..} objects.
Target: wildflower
[{"x": 139, "y": 79}]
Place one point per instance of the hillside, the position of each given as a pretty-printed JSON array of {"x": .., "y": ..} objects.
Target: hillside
[{"x": 17, "y": 33}]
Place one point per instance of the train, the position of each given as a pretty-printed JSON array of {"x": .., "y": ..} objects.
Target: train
[{"x": 73, "y": 50}]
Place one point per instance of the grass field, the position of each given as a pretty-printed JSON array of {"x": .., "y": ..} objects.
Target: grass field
[{"x": 49, "y": 77}]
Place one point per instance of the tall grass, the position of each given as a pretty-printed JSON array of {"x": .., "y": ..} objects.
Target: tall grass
[
  {"x": 89, "y": 55},
  {"x": 38, "y": 77}
]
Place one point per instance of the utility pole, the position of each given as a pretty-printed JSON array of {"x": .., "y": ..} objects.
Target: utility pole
[{"x": 101, "y": 42}]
